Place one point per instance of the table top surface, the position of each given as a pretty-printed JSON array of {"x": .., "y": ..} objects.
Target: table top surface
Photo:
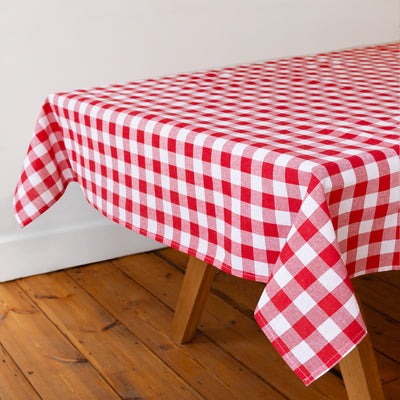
[
  {"x": 283, "y": 171},
  {"x": 318, "y": 108}
]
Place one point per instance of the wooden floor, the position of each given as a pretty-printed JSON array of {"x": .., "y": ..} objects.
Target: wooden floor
[{"x": 102, "y": 332}]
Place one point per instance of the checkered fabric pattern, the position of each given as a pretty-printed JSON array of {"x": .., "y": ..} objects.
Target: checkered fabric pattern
[{"x": 286, "y": 172}]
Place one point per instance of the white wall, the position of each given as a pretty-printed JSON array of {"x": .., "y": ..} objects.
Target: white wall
[{"x": 55, "y": 45}]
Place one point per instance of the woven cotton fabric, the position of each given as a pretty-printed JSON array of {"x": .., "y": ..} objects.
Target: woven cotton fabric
[{"x": 286, "y": 172}]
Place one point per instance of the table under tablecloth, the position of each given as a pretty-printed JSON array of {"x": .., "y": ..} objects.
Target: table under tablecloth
[{"x": 286, "y": 172}]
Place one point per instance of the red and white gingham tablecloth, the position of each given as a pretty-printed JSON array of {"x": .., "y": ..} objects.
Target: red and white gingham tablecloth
[{"x": 286, "y": 172}]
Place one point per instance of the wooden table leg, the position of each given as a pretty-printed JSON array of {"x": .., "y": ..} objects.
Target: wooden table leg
[
  {"x": 360, "y": 372},
  {"x": 359, "y": 369},
  {"x": 193, "y": 295}
]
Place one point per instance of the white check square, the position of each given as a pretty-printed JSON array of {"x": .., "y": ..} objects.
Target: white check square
[
  {"x": 329, "y": 330},
  {"x": 279, "y": 325},
  {"x": 330, "y": 280},
  {"x": 306, "y": 254},
  {"x": 303, "y": 352},
  {"x": 304, "y": 302}
]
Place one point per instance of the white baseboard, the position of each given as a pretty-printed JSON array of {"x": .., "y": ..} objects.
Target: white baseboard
[{"x": 26, "y": 255}]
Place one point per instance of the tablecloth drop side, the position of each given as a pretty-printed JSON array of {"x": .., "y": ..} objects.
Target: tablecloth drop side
[
  {"x": 47, "y": 160},
  {"x": 308, "y": 309}
]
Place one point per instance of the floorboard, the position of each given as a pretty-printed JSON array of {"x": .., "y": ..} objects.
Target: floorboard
[
  {"x": 13, "y": 382},
  {"x": 51, "y": 364},
  {"x": 212, "y": 372},
  {"x": 234, "y": 332},
  {"x": 102, "y": 331},
  {"x": 128, "y": 365}
]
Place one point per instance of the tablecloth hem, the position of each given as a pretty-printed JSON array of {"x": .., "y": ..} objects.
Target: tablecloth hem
[
  {"x": 301, "y": 371},
  {"x": 346, "y": 350},
  {"x": 23, "y": 222}
]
